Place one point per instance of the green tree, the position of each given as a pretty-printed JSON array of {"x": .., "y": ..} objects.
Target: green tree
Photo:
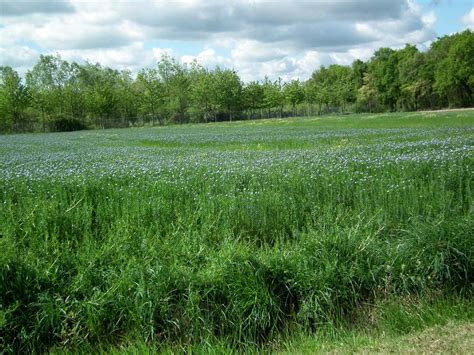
[
  {"x": 383, "y": 69},
  {"x": 309, "y": 95},
  {"x": 14, "y": 99},
  {"x": 203, "y": 93},
  {"x": 294, "y": 94},
  {"x": 455, "y": 72},
  {"x": 151, "y": 95},
  {"x": 273, "y": 95},
  {"x": 415, "y": 85},
  {"x": 73, "y": 94},
  {"x": 101, "y": 93},
  {"x": 318, "y": 88},
  {"x": 228, "y": 91},
  {"x": 253, "y": 96},
  {"x": 127, "y": 92},
  {"x": 367, "y": 95},
  {"x": 47, "y": 81},
  {"x": 340, "y": 83},
  {"x": 359, "y": 68},
  {"x": 176, "y": 87}
]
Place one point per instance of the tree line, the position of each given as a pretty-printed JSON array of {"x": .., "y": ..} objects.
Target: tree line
[{"x": 56, "y": 95}]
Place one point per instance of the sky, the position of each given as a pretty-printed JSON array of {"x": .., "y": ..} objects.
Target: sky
[{"x": 279, "y": 38}]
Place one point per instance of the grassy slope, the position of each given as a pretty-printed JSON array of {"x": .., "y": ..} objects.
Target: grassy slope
[
  {"x": 399, "y": 326},
  {"x": 451, "y": 338},
  {"x": 444, "y": 325},
  {"x": 234, "y": 233},
  {"x": 448, "y": 339}
]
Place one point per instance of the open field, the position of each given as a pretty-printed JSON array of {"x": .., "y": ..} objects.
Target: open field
[{"x": 240, "y": 234}]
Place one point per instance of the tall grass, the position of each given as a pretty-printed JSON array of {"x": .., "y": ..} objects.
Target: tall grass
[{"x": 177, "y": 245}]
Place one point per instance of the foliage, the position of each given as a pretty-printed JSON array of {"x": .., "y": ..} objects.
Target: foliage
[
  {"x": 455, "y": 78},
  {"x": 273, "y": 95},
  {"x": 14, "y": 99},
  {"x": 203, "y": 94},
  {"x": 228, "y": 91},
  {"x": 294, "y": 94},
  {"x": 367, "y": 95},
  {"x": 172, "y": 92},
  {"x": 253, "y": 96}
]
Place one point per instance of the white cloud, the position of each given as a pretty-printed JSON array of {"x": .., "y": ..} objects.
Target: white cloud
[
  {"x": 255, "y": 51},
  {"x": 132, "y": 57},
  {"x": 21, "y": 58},
  {"x": 287, "y": 38},
  {"x": 75, "y": 31},
  {"x": 468, "y": 19},
  {"x": 429, "y": 19},
  {"x": 208, "y": 58},
  {"x": 158, "y": 53},
  {"x": 289, "y": 67}
]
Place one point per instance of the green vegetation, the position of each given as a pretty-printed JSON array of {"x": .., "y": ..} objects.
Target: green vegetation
[
  {"x": 397, "y": 326},
  {"x": 62, "y": 96},
  {"x": 445, "y": 337},
  {"x": 236, "y": 236}
]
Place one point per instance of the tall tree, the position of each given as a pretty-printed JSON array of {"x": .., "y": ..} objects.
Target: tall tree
[
  {"x": 341, "y": 86},
  {"x": 14, "y": 99},
  {"x": 128, "y": 94},
  {"x": 383, "y": 69},
  {"x": 294, "y": 94},
  {"x": 203, "y": 93},
  {"x": 359, "y": 68},
  {"x": 367, "y": 95},
  {"x": 414, "y": 87},
  {"x": 229, "y": 91},
  {"x": 455, "y": 73},
  {"x": 102, "y": 95},
  {"x": 253, "y": 96},
  {"x": 151, "y": 94},
  {"x": 47, "y": 81},
  {"x": 319, "y": 88},
  {"x": 273, "y": 95},
  {"x": 176, "y": 87}
]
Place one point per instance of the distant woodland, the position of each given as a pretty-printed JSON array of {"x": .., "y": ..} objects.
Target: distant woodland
[{"x": 56, "y": 95}]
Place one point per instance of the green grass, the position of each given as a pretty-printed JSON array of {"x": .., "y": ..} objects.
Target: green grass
[
  {"x": 403, "y": 327},
  {"x": 237, "y": 236},
  {"x": 436, "y": 325}
]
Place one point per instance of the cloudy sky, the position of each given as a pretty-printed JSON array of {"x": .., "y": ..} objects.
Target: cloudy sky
[{"x": 287, "y": 38}]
